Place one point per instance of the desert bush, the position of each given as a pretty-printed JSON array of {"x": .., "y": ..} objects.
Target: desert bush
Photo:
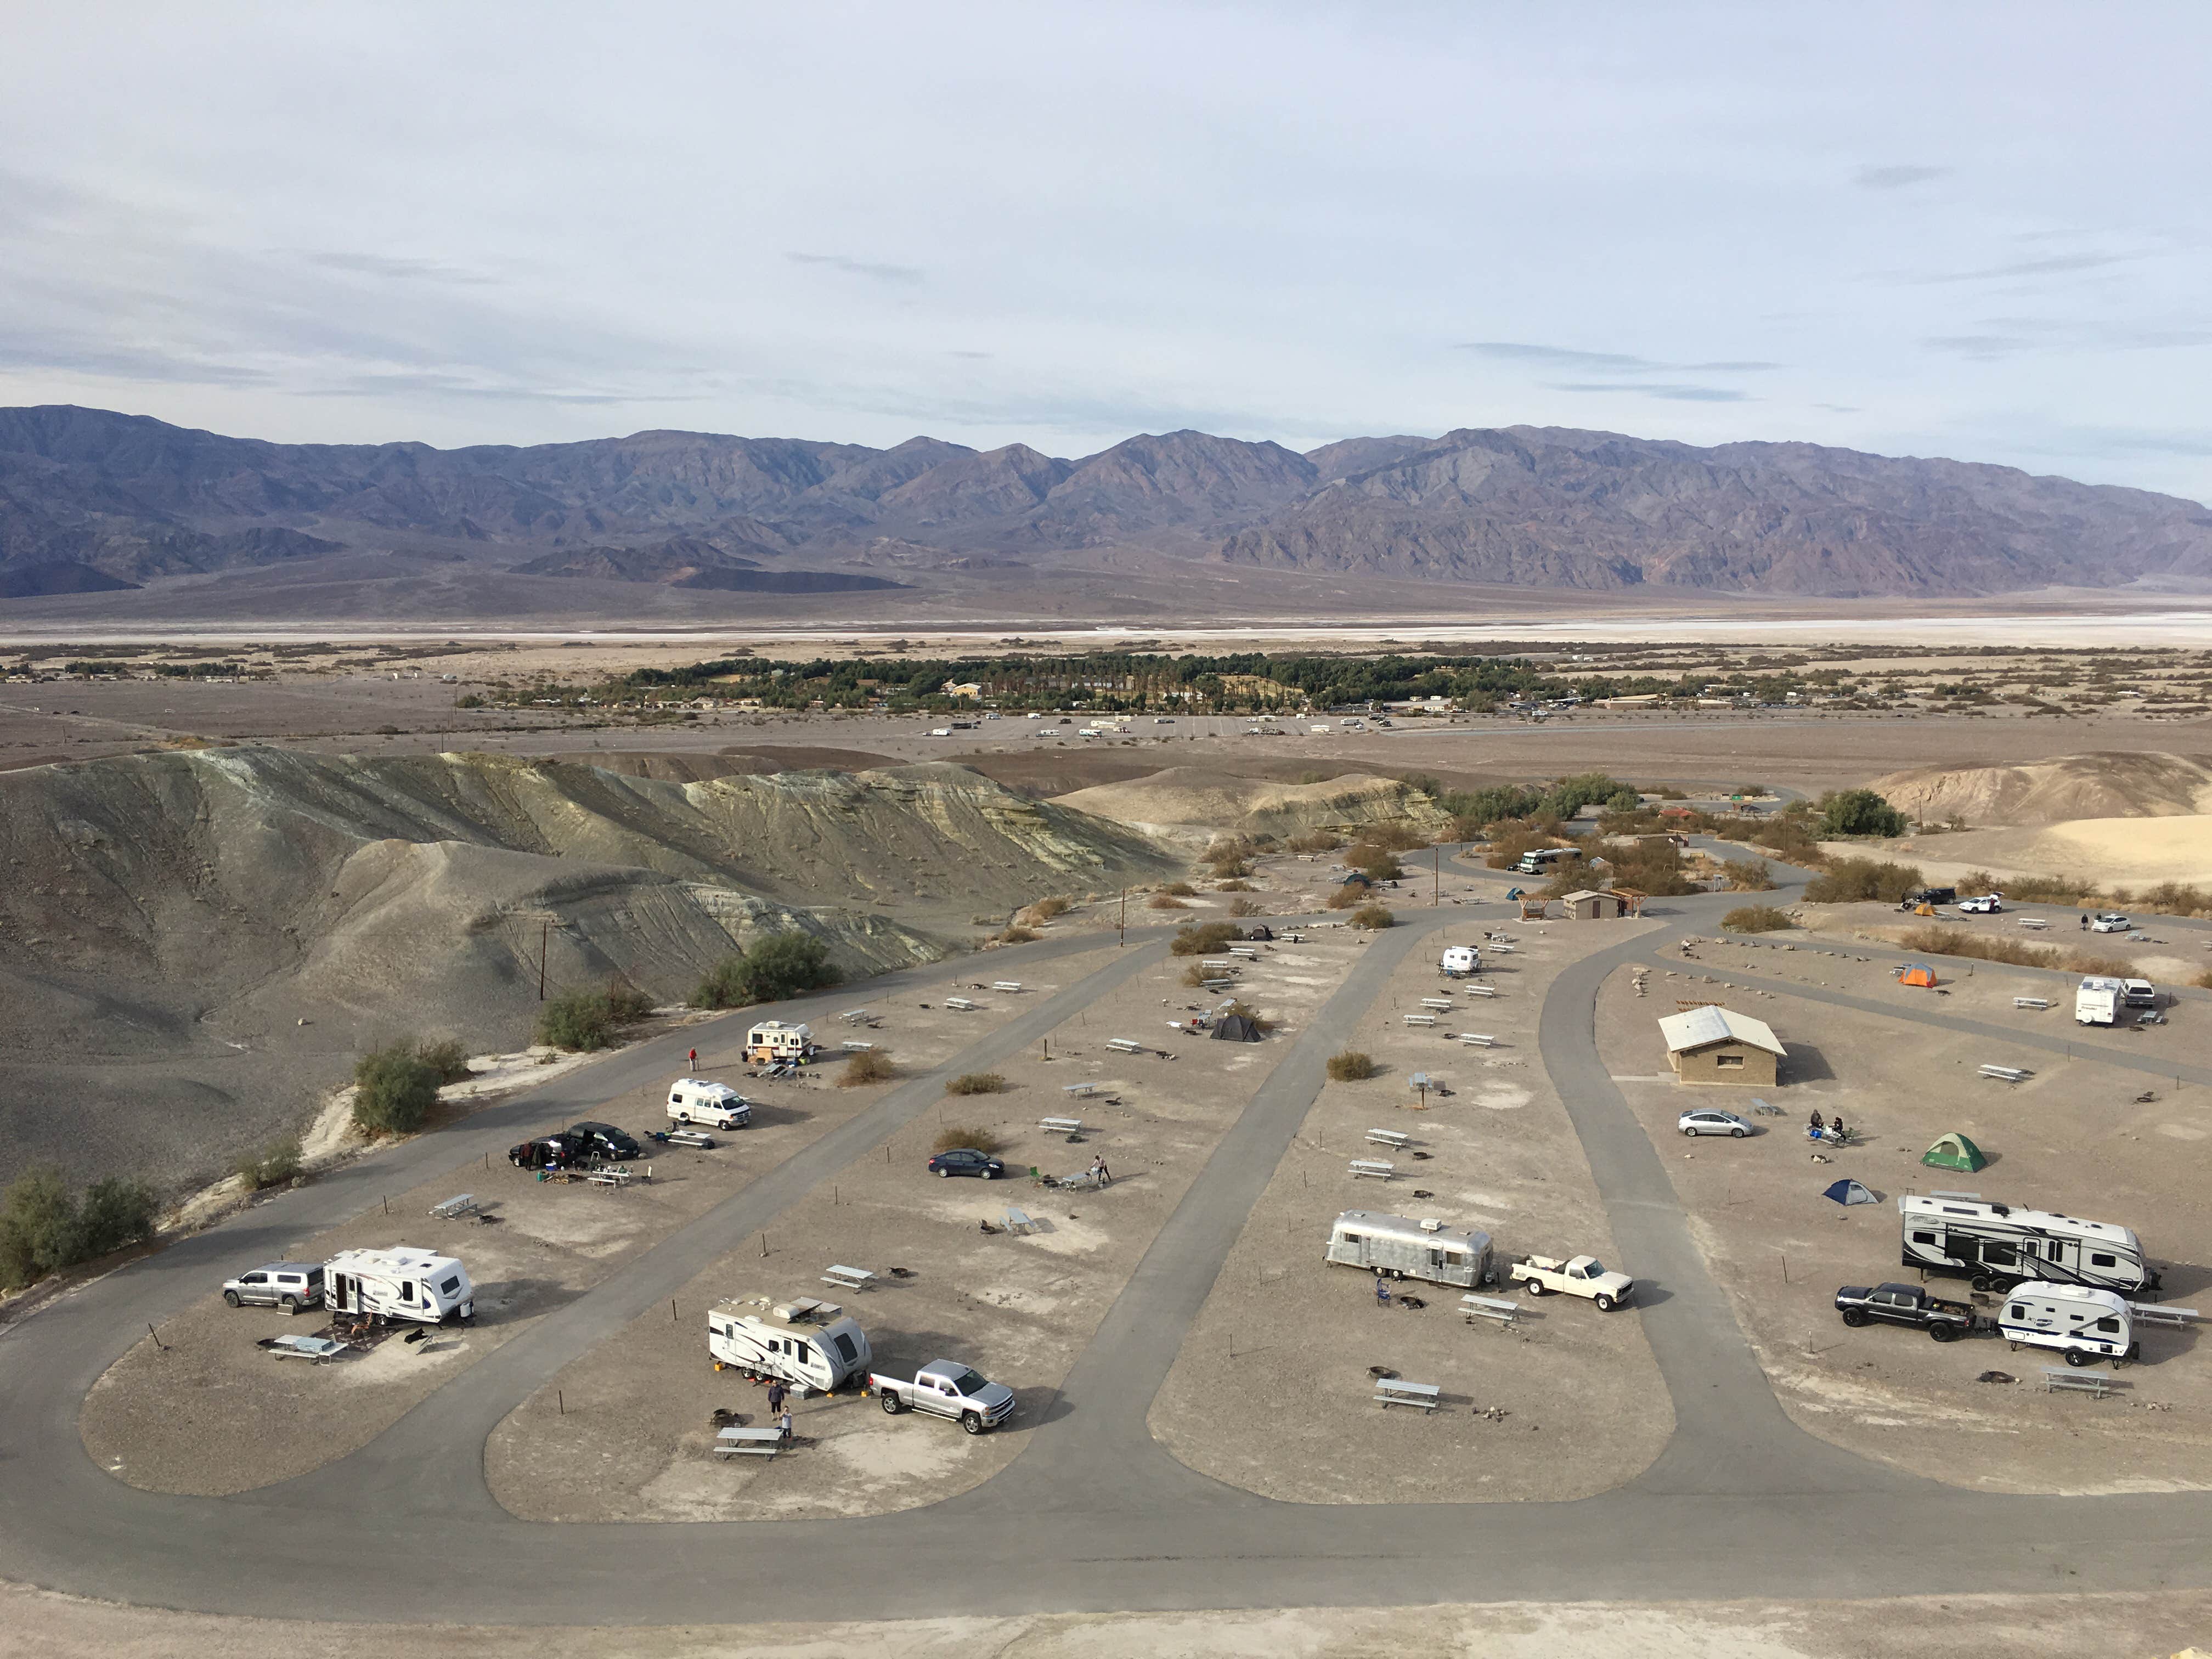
[
  {"x": 1179, "y": 888},
  {"x": 779, "y": 966},
  {"x": 1392, "y": 838},
  {"x": 974, "y": 1083},
  {"x": 2203, "y": 980},
  {"x": 1196, "y": 975},
  {"x": 869, "y": 1066},
  {"x": 1244, "y": 907},
  {"x": 1756, "y": 919},
  {"x": 1234, "y": 885},
  {"x": 1860, "y": 812},
  {"x": 45, "y": 1226},
  {"x": 1344, "y": 897},
  {"x": 1351, "y": 1066},
  {"x": 271, "y": 1166},
  {"x": 1314, "y": 841},
  {"x": 578, "y": 1022},
  {"x": 1853, "y": 880},
  {"x": 1166, "y": 901},
  {"x": 1373, "y": 917},
  {"x": 1747, "y": 875},
  {"x": 1044, "y": 910},
  {"x": 626, "y": 1004},
  {"x": 1227, "y": 863},
  {"x": 445, "y": 1056},
  {"x": 955, "y": 1134},
  {"x": 394, "y": 1091},
  {"x": 1204, "y": 940},
  {"x": 1941, "y": 941},
  {"x": 1016, "y": 934},
  {"x": 1376, "y": 863}
]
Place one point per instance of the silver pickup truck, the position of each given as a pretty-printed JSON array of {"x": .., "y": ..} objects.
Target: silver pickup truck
[{"x": 948, "y": 1389}]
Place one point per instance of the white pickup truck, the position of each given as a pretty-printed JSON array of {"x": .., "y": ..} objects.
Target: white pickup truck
[
  {"x": 950, "y": 1389},
  {"x": 1579, "y": 1275}
]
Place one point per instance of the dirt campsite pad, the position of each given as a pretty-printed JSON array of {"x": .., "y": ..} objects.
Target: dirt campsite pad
[
  {"x": 1274, "y": 1390},
  {"x": 2073, "y": 1138},
  {"x": 207, "y": 1412},
  {"x": 626, "y": 1433}
]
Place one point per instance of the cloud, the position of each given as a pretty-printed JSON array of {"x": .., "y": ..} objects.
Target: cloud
[
  {"x": 1895, "y": 178},
  {"x": 113, "y": 361},
  {"x": 873, "y": 270},
  {"x": 2039, "y": 334},
  {"x": 1677, "y": 394},
  {"x": 1982, "y": 347},
  {"x": 1603, "y": 362},
  {"x": 392, "y": 267},
  {"x": 2057, "y": 264},
  {"x": 978, "y": 355}
]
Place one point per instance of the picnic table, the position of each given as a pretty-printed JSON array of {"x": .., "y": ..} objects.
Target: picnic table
[
  {"x": 315, "y": 1350},
  {"x": 1060, "y": 1126},
  {"x": 961, "y": 1003},
  {"x": 1019, "y": 1221},
  {"x": 849, "y": 1279},
  {"x": 1378, "y": 1169},
  {"x": 1397, "y": 1140},
  {"x": 1125, "y": 1045},
  {"x": 1396, "y": 1391},
  {"x": 460, "y": 1205},
  {"x": 2058, "y": 1377},
  {"x": 1012, "y": 987},
  {"x": 698, "y": 1138},
  {"x": 748, "y": 1443},
  {"x": 1489, "y": 1307}
]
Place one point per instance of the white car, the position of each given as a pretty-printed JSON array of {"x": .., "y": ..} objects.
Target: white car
[
  {"x": 2111, "y": 921},
  {"x": 1712, "y": 1121},
  {"x": 1987, "y": 905}
]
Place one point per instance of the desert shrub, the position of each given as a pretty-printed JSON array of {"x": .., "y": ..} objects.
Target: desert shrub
[
  {"x": 445, "y": 1056},
  {"x": 1860, "y": 812},
  {"x": 1196, "y": 975},
  {"x": 1853, "y": 880},
  {"x": 974, "y": 1083},
  {"x": 2203, "y": 980},
  {"x": 1205, "y": 939},
  {"x": 1166, "y": 901},
  {"x": 1392, "y": 838},
  {"x": 272, "y": 1165},
  {"x": 1314, "y": 841},
  {"x": 1260, "y": 1020},
  {"x": 1344, "y": 897},
  {"x": 1623, "y": 800},
  {"x": 578, "y": 1021},
  {"x": 1941, "y": 941},
  {"x": 1227, "y": 863},
  {"x": 1747, "y": 875},
  {"x": 1351, "y": 1066},
  {"x": 468, "y": 700},
  {"x": 779, "y": 966},
  {"x": 1373, "y": 917},
  {"x": 1244, "y": 907},
  {"x": 869, "y": 1066},
  {"x": 1376, "y": 863},
  {"x": 2174, "y": 898},
  {"x": 626, "y": 1004},
  {"x": 1234, "y": 885},
  {"x": 955, "y": 1134},
  {"x": 1756, "y": 919},
  {"x": 1179, "y": 888},
  {"x": 1044, "y": 910},
  {"x": 1016, "y": 934},
  {"x": 45, "y": 1226},
  {"x": 394, "y": 1090}
]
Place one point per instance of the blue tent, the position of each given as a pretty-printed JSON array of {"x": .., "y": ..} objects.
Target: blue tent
[{"x": 1849, "y": 1191}]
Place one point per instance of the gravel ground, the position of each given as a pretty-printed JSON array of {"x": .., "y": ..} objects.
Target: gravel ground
[
  {"x": 207, "y": 1412},
  {"x": 2071, "y": 1139},
  {"x": 1255, "y": 1400},
  {"x": 634, "y": 1441}
]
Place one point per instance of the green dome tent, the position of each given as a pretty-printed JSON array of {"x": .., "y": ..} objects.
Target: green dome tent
[{"x": 1953, "y": 1151}]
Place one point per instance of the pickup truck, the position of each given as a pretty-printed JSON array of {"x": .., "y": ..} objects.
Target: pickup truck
[
  {"x": 950, "y": 1389},
  {"x": 1904, "y": 1304},
  {"x": 1580, "y": 1275}
]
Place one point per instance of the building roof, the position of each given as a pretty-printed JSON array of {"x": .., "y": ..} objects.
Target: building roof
[
  {"x": 1701, "y": 1028},
  {"x": 1577, "y": 898}
]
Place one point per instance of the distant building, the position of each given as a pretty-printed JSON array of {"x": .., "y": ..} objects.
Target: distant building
[
  {"x": 1712, "y": 1045},
  {"x": 1594, "y": 907}
]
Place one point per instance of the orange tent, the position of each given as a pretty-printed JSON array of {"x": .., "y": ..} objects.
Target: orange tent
[{"x": 1916, "y": 973}]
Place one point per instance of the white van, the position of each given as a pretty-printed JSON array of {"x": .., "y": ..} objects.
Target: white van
[
  {"x": 695, "y": 1100},
  {"x": 1462, "y": 959},
  {"x": 780, "y": 1343},
  {"x": 776, "y": 1039},
  {"x": 400, "y": 1283},
  {"x": 2084, "y": 1325},
  {"x": 1405, "y": 1248}
]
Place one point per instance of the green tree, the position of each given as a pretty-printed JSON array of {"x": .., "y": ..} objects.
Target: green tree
[
  {"x": 1860, "y": 812},
  {"x": 394, "y": 1090},
  {"x": 782, "y": 965}
]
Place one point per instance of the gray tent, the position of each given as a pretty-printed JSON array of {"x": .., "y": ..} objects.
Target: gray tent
[
  {"x": 1848, "y": 1192},
  {"x": 1235, "y": 1028}
]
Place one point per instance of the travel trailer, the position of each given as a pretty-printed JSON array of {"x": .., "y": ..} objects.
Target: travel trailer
[
  {"x": 1405, "y": 1248},
  {"x": 1462, "y": 959},
  {"x": 2085, "y": 1326},
  {"x": 400, "y": 1283},
  {"x": 774, "y": 1039},
  {"x": 2097, "y": 1001},
  {"x": 1998, "y": 1245},
  {"x": 781, "y": 1342}
]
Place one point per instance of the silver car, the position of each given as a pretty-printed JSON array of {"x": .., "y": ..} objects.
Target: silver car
[
  {"x": 290, "y": 1286},
  {"x": 1712, "y": 1121}
]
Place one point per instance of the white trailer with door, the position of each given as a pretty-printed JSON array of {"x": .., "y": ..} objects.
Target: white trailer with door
[
  {"x": 2085, "y": 1326},
  {"x": 1996, "y": 1245},
  {"x": 400, "y": 1283},
  {"x": 788, "y": 1342},
  {"x": 1405, "y": 1248}
]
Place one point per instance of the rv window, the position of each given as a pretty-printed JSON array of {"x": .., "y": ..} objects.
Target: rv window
[
  {"x": 2053, "y": 1247},
  {"x": 406, "y": 1290},
  {"x": 2100, "y": 1259},
  {"x": 845, "y": 1348},
  {"x": 2109, "y": 1323},
  {"x": 2016, "y": 1311},
  {"x": 1923, "y": 1239},
  {"x": 451, "y": 1285},
  {"x": 1999, "y": 1256}
]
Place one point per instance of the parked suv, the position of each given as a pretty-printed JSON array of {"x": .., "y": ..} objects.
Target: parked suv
[
  {"x": 604, "y": 1140},
  {"x": 556, "y": 1151},
  {"x": 290, "y": 1286}
]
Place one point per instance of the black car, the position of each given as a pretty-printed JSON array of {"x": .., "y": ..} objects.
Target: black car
[
  {"x": 1920, "y": 896},
  {"x": 967, "y": 1161},
  {"x": 548, "y": 1153},
  {"x": 604, "y": 1140}
]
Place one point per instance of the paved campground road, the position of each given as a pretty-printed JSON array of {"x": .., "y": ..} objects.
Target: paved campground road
[{"x": 1094, "y": 1516}]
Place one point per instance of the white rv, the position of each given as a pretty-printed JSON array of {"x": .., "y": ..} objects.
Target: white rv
[
  {"x": 1997, "y": 1245},
  {"x": 400, "y": 1283},
  {"x": 2097, "y": 1001},
  {"x": 1405, "y": 1248},
  {"x": 2086, "y": 1325},
  {"x": 776, "y": 1039},
  {"x": 781, "y": 1342},
  {"x": 1462, "y": 959}
]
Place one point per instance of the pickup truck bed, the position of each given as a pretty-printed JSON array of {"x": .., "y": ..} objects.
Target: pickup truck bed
[{"x": 1906, "y": 1304}]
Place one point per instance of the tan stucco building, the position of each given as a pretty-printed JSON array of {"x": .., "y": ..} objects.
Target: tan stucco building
[{"x": 1712, "y": 1045}]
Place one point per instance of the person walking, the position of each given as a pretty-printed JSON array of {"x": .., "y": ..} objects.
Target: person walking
[
  {"x": 2084, "y": 921},
  {"x": 694, "y": 1060},
  {"x": 776, "y": 1393},
  {"x": 1099, "y": 1172}
]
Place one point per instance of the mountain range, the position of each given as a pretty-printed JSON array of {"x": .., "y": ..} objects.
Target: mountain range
[{"x": 93, "y": 502}]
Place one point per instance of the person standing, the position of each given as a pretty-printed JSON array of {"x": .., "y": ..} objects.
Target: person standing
[
  {"x": 783, "y": 1425},
  {"x": 694, "y": 1060},
  {"x": 775, "y": 1393},
  {"x": 1382, "y": 1291}
]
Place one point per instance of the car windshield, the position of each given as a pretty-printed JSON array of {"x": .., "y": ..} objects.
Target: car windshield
[
  {"x": 969, "y": 1383},
  {"x": 1595, "y": 1269}
]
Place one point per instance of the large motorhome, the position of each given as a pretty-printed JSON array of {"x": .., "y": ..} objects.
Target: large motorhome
[
  {"x": 1405, "y": 1248},
  {"x": 2000, "y": 1245},
  {"x": 779, "y": 1039},
  {"x": 782, "y": 1342},
  {"x": 2085, "y": 1326},
  {"x": 400, "y": 1283},
  {"x": 1537, "y": 860}
]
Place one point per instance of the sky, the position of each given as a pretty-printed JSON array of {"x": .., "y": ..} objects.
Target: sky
[{"x": 1974, "y": 231}]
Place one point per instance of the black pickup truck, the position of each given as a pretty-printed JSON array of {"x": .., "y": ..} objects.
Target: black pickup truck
[{"x": 1904, "y": 1304}]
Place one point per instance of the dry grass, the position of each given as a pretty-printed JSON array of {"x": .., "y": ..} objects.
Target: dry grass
[
  {"x": 1373, "y": 917},
  {"x": 2203, "y": 980},
  {"x": 1043, "y": 910},
  {"x": 1166, "y": 901},
  {"x": 976, "y": 1083},
  {"x": 967, "y": 1135},
  {"x": 1747, "y": 875},
  {"x": 1351, "y": 1066},
  {"x": 1180, "y": 889},
  {"x": 1234, "y": 885},
  {"x": 1343, "y": 898},
  {"x": 1243, "y": 907},
  {"x": 871, "y": 1065},
  {"x": 1205, "y": 940},
  {"x": 1756, "y": 919},
  {"x": 1959, "y": 942}
]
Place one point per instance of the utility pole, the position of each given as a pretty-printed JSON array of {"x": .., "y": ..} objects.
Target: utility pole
[
  {"x": 544, "y": 937},
  {"x": 1436, "y": 876},
  {"x": 1122, "y": 921}
]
